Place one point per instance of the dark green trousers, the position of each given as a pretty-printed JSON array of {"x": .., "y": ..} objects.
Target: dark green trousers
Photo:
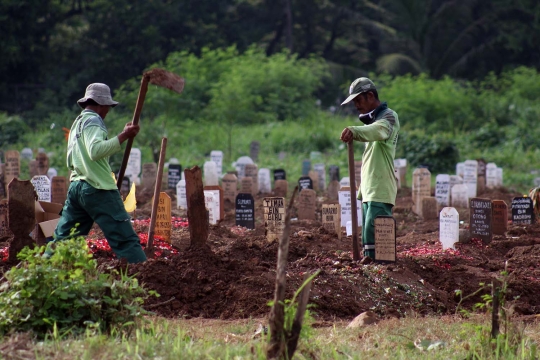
[
  {"x": 85, "y": 205},
  {"x": 370, "y": 210}
]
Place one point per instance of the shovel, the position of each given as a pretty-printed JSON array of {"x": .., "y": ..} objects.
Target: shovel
[{"x": 157, "y": 77}]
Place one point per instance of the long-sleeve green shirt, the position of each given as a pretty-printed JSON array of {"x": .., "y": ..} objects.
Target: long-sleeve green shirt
[
  {"x": 89, "y": 151},
  {"x": 378, "y": 179}
]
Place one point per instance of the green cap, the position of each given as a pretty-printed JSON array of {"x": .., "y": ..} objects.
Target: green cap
[{"x": 359, "y": 86}]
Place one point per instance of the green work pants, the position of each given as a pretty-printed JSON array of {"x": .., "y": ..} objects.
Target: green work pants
[
  {"x": 370, "y": 210},
  {"x": 85, "y": 205}
]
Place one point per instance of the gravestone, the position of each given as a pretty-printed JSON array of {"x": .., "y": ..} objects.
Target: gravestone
[
  {"x": 181, "y": 195},
  {"x": 344, "y": 196},
  {"x": 210, "y": 203},
  {"x": 230, "y": 190},
  {"x": 499, "y": 176},
  {"x": 448, "y": 227},
  {"x": 21, "y": 215},
  {"x": 175, "y": 175},
  {"x": 306, "y": 204},
  {"x": 315, "y": 156},
  {"x": 133, "y": 168},
  {"x": 27, "y": 154},
  {"x": 274, "y": 218},
  {"x": 282, "y": 155},
  {"x": 32, "y": 168},
  {"x": 254, "y": 148},
  {"x": 333, "y": 172},
  {"x": 460, "y": 196},
  {"x": 314, "y": 179},
  {"x": 460, "y": 169},
  {"x": 12, "y": 168},
  {"x": 305, "y": 182},
  {"x": 442, "y": 189},
  {"x": 321, "y": 175},
  {"x": 306, "y": 167},
  {"x": 522, "y": 211},
  {"x": 42, "y": 163},
  {"x": 401, "y": 166},
  {"x": 280, "y": 174},
  {"x": 358, "y": 172},
  {"x": 245, "y": 211},
  {"x": 480, "y": 219},
  {"x": 385, "y": 239},
  {"x": 500, "y": 217},
  {"x": 481, "y": 181},
  {"x": 2, "y": 181},
  {"x": 252, "y": 171},
  {"x": 345, "y": 182},
  {"x": 217, "y": 157},
  {"x": 241, "y": 165},
  {"x": 163, "y": 227},
  {"x": 59, "y": 187},
  {"x": 331, "y": 219},
  {"x": 210, "y": 174},
  {"x": 217, "y": 191},
  {"x": 149, "y": 175},
  {"x": 455, "y": 180},
  {"x": 42, "y": 186},
  {"x": 4, "y": 229},
  {"x": 265, "y": 187},
  {"x": 333, "y": 189},
  {"x": 430, "y": 208},
  {"x": 280, "y": 188},
  {"x": 421, "y": 188},
  {"x": 246, "y": 186},
  {"x": 491, "y": 175},
  {"x": 52, "y": 173},
  {"x": 470, "y": 177}
]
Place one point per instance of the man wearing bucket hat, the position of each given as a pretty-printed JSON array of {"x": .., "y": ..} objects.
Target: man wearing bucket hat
[
  {"x": 93, "y": 195},
  {"x": 378, "y": 187}
]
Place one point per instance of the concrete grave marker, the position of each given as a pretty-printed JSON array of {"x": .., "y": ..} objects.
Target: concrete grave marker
[
  {"x": 314, "y": 179},
  {"x": 522, "y": 211},
  {"x": 385, "y": 239},
  {"x": 210, "y": 174},
  {"x": 245, "y": 211},
  {"x": 21, "y": 215},
  {"x": 149, "y": 175},
  {"x": 210, "y": 203},
  {"x": 333, "y": 172},
  {"x": 358, "y": 172},
  {"x": 306, "y": 204},
  {"x": 491, "y": 175},
  {"x": 499, "y": 176},
  {"x": 333, "y": 189},
  {"x": 163, "y": 219},
  {"x": 265, "y": 186},
  {"x": 246, "y": 186},
  {"x": 344, "y": 196},
  {"x": 59, "y": 187},
  {"x": 217, "y": 157},
  {"x": 42, "y": 163},
  {"x": 42, "y": 185},
  {"x": 4, "y": 229},
  {"x": 460, "y": 196},
  {"x": 345, "y": 182},
  {"x": 331, "y": 218},
  {"x": 133, "y": 168},
  {"x": 460, "y": 169},
  {"x": 175, "y": 175},
  {"x": 500, "y": 217},
  {"x": 33, "y": 168},
  {"x": 254, "y": 148},
  {"x": 280, "y": 188},
  {"x": 181, "y": 195},
  {"x": 455, "y": 180},
  {"x": 480, "y": 219},
  {"x": 306, "y": 167},
  {"x": 27, "y": 154},
  {"x": 280, "y": 174},
  {"x": 241, "y": 165},
  {"x": 274, "y": 218},
  {"x": 305, "y": 182},
  {"x": 12, "y": 168},
  {"x": 252, "y": 171},
  {"x": 217, "y": 191},
  {"x": 442, "y": 189},
  {"x": 470, "y": 177},
  {"x": 230, "y": 190},
  {"x": 448, "y": 227},
  {"x": 430, "y": 208},
  {"x": 321, "y": 175},
  {"x": 421, "y": 188}
]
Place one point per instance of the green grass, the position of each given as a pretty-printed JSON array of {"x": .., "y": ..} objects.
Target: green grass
[{"x": 218, "y": 339}]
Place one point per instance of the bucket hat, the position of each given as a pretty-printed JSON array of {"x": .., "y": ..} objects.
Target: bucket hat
[
  {"x": 100, "y": 93},
  {"x": 359, "y": 86}
]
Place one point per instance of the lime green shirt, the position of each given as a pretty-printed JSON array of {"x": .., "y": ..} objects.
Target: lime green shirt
[
  {"x": 89, "y": 151},
  {"x": 378, "y": 181}
]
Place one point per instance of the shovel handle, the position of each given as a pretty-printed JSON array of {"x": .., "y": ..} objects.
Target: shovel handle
[
  {"x": 135, "y": 121},
  {"x": 354, "y": 207}
]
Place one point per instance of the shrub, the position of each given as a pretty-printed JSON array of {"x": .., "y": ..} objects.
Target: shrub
[{"x": 67, "y": 293}]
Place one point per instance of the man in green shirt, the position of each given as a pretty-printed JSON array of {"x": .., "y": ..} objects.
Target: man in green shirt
[
  {"x": 378, "y": 187},
  {"x": 93, "y": 195}
]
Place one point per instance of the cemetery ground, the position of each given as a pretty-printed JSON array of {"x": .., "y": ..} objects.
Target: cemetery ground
[{"x": 214, "y": 299}]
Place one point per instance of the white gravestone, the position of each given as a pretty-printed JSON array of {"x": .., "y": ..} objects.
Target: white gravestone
[
  {"x": 265, "y": 185},
  {"x": 455, "y": 180},
  {"x": 42, "y": 184},
  {"x": 321, "y": 174},
  {"x": 470, "y": 177},
  {"x": 344, "y": 197},
  {"x": 345, "y": 182},
  {"x": 210, "y": 174},
  {"x": 491, "y": 175},
  {"x": 217, "y": 157},
  {"x": 460, "y": 169},
  {"x": 460, "y": 196},
  {"x": 240, "y": 165},
  {"x": 442, "y": 189},
  {"x": 52, "y": 173},
  {"x": 210, "y": 203},
  {"x": 421, "y": 188},
  {"x": 448, "y": 227},
  {"x": 133, "y": 168},
  {"x": 499, "y": 176},
  {"x": 181, "y": 197},
  {"x": 27, "y": 154}
]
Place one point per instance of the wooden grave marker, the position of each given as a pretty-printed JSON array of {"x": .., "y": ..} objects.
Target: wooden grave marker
[
  {"x": 21, "y": 215},
  {"x": 59, "y": 188},
  {"x": 163, "y": 219},
  {"x": 385, "y": 239},
  {"x": 252, "y": 171},
  {"x": 421, "y": 188},
  {"x": 306, "y": 204},
  {"x": 331, "y": 219},
  {"x": 42, "y": 163},
  {"x": 246, "y": 185},
  {"x": 12, "y": 167},
  {"x": 230, "y": 190},
  {"x": 274, "y": 218},
  {"x": 500, "y": 217},
  {"x": 280, "y": 188}
]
